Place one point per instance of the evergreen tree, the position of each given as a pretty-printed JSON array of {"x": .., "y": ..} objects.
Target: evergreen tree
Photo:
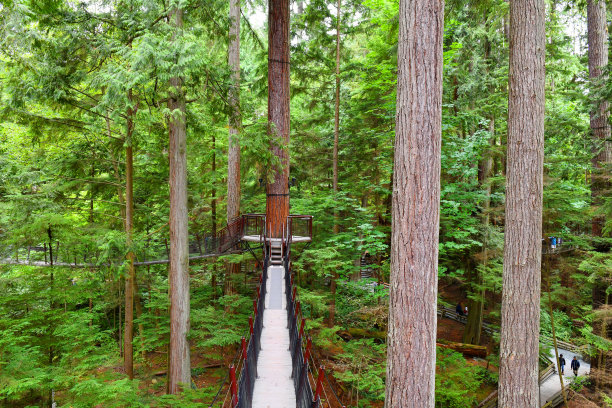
[
  {"x": 416, "y": 200},
  {"x": 520, "y": 334}
]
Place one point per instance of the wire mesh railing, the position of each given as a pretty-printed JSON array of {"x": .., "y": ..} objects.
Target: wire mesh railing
[
  {"x": 309, "y": 388},
  {"x": 243, "y": 370}
]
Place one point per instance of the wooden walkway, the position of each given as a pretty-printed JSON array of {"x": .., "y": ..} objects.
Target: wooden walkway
[{"x": 274, "y": 385}]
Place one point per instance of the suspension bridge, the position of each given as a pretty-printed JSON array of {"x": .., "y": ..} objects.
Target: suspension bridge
[{"x": 275, "y": 367}]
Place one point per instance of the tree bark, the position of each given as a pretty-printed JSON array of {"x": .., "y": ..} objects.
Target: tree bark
[
  {"x": 128, "y": 355},
  {"x": 179, "y": 359},
  {"x": 277, "y": 192},
  {"x": 235, "y": 124},
  {"x": 411, "y": 352},
  {"x": 332, "y": 305},
  {"x": 602, "y": 147},
  {"x": 520, "y": 329}
]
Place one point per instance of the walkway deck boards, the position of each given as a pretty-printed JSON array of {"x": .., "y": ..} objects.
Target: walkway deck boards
[
  {"x": 274, "y": 385},
  {"x": 552, "y": 385}
]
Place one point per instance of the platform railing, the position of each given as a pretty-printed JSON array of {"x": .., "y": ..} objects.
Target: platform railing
[{"x": 300, "y": 225}]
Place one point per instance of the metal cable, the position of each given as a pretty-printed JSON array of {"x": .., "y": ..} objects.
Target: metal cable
[
  {"x": 238, "y": 354},
  {"x": 299, "y": 319},
  {"x": 226, "y": 394},
  {"x": 225, "y": 380}
]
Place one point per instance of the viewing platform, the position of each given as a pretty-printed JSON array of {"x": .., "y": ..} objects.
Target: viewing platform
[{"x": 252, "y": 228}]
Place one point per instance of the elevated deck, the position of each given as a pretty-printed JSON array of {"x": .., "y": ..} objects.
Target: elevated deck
[{"x": 252, "y": 228}]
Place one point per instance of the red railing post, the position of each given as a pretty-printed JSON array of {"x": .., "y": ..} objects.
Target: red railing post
[
  {"x": 302, "y": 328},
  {"x": 233, "y": 386},
  {"x": 244, "y": 350},
  {"x": 319, "y": 389},
  {"x": 310, "y": 226},
  {"x": 255, "y": 306},
  {"x": 294, "y": 293},
  {"x": 307, "y": 353},
  {"x": 297, "y": 308},
  {"x": 251, "y": 325}
]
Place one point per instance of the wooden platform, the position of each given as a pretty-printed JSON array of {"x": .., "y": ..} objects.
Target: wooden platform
[
  {"x": 258, "y": 238},
  {"x": 274, "y": 385}
]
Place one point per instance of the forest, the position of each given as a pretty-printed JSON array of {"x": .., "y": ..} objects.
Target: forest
[{"x": 429, "y": 180}]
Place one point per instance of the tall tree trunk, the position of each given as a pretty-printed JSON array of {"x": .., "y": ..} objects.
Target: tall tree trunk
[
  {"x": 411, "y": 356},
  {"x": 520, "y": 329},
  {"x": 602, "y": 147},
  {"x": 600, "y": 128},
  {"x": 213, "y": 211},
  {"x": 332, "y": 305},
  {"x": 128, "y": 358},
  {"x": 473, "y": 328},
  {"x": 277, "y": 192},
  {"x": 235, "y": 124},
  {"x": 179, "y": 366}
]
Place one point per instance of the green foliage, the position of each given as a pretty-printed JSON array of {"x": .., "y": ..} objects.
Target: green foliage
[
  {"x": 563, "y": 325},
  {"x": 456, "y": 381},
  {"x": 364, "y": 363},
  {"x": 67, "y": 71}
]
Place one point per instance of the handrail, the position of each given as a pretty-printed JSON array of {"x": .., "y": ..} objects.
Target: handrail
[
  {"x": 241, "y": 388},
  {"x": 300, "y": 347}
]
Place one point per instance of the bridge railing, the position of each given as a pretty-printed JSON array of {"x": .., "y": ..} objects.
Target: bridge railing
[
  {"x": 309, "y": 389},
  {"x": 304, "y": 396},
  {"x": 243, "y": 370},
  {"x": 242, "y": 389}
]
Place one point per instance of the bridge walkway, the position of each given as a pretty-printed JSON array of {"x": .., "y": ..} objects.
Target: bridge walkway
[{"x": 274, "y": 385}]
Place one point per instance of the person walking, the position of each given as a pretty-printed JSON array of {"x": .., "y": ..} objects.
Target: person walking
[
  {"x": 562, "y": 364},
  {"x": 459, "y": 309},
  {"x": 575, "y": 366}
]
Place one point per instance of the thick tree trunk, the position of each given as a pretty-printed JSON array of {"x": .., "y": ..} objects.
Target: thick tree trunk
[
  {"x": 332, "y": 305},
  {"x": 130, "y": 277},
  {"x": 235, "y": 124},
  {"x": 411, "y": 352},
  {"x": 277, "y": 202},
  {"x": 179, "y": 366},
  {"x": 602, "y": 147},
  {"x": 520, "y": 329}
]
